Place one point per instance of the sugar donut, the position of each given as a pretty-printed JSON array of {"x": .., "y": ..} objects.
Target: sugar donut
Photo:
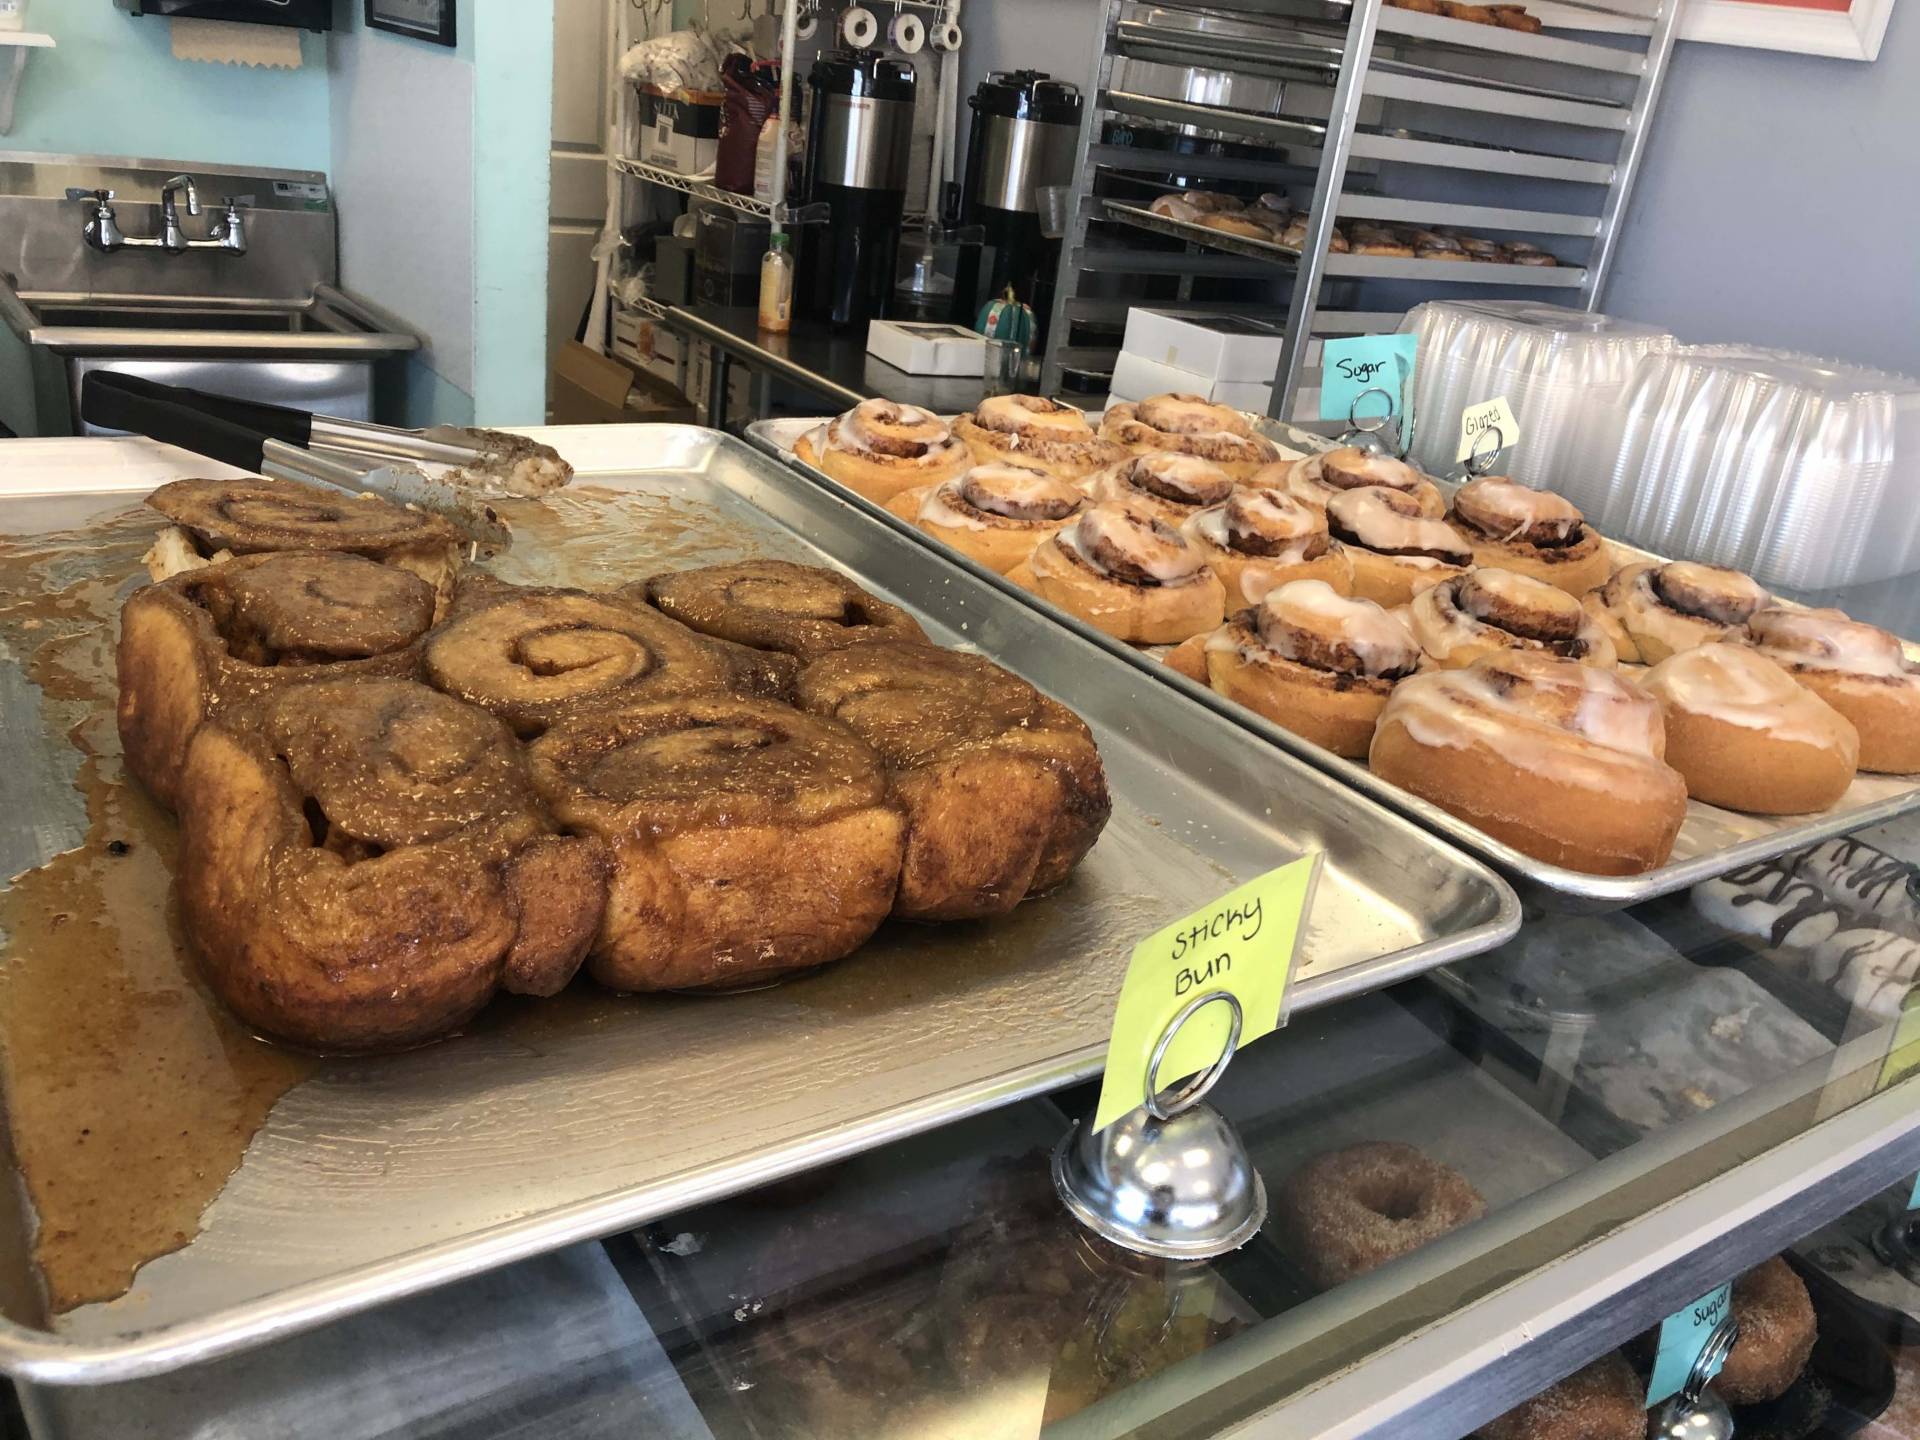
[
  {"x": 1777, "y": 1331},
  {"x": 1350, "y": 1211},
  {"x": 1605, "y": 1401}
]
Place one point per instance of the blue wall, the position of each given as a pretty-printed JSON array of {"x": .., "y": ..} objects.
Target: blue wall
[{"x": 112, "y": 87}]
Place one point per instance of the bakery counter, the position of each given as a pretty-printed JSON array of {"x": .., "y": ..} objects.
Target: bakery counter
[{"x": 1481, "y": 1182}]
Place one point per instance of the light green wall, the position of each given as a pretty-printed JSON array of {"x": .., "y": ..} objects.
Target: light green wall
[{"x": 112, "y": 87}]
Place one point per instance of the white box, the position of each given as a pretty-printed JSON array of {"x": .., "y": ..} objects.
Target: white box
[
  {"x": 1135, "y": 377},
  {"x": 927, "y": 347},
  {"x": 1218, "y": 347}
]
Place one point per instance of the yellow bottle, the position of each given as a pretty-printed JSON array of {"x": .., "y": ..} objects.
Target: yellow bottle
[{"x": 776, "y": 285}]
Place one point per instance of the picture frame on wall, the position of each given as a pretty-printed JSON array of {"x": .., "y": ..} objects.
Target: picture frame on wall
[
  {"x": 422, "y": 19},
  {"x": 1840, "y": 29}
]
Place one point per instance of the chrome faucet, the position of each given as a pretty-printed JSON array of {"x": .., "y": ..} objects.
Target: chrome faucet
[
  {"x": 171, "y": 238},
  {"x": 102, "y": 230}
]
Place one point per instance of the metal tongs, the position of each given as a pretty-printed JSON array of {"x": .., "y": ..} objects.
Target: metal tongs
[{"x": 270, "y": 440}]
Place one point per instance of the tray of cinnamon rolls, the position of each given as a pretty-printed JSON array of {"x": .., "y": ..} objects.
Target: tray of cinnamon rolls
[
  {"x": 1603, "y": 724},
  {"x": 706, "y": 833}
]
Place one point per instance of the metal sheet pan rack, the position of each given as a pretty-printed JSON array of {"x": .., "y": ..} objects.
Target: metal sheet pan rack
[{"x": 1354, "y": 111}]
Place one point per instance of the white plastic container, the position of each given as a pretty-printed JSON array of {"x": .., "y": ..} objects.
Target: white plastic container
[
  {"x": 1552, "y": 364},
  {"x": 1804, "y": 472}
]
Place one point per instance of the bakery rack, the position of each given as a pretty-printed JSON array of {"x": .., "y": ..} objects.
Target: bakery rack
[{"x": 1356, "y": 111}]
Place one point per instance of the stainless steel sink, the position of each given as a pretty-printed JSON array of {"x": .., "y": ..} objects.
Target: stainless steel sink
[{"x": 329, "y": 324}]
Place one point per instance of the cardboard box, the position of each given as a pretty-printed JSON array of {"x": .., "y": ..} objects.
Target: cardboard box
[
  {"x": 1217, "y": 347},
  {"x": 683, "y": 133},
  {"x": 927, "y": 347},
  {"x": 592, "y": 389}
]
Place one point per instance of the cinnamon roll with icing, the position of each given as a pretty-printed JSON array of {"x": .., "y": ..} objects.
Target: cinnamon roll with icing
[
  {"x": 1003, "y": 788},
  {"x": 1652, "y": 610},
  {"x": 748, "y": 840},
  {"x": 1395, "y": 548},
  {"x": 215, "y": 519},
  {"x": 1263, "y": 538},
  {"x": 1030, "y": 430},
  {"x": 1128, "y": 574},
  {"x": 1530, "y": 532},
  {"x": 1748, "y": 737},
  {"x": 1560, "y": 760},
  {"x": 1858, "y": 669},
  {"x": 1314, "y": 662},
  {"x": 1173, "y": 488},
  {"x": 799, "y": 610},
  {"x": 210, "y": 637},
  {"x": 1189, "y": 425},
  {"x": 878, "y": 449},
  {"x": 993, "y": 514},
  {"x": 1316, "y": 479},
  {"x": 1486, "y": 611},
  {"x": 363, "y": 863}
]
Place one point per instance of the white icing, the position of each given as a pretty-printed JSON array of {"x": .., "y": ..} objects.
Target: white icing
[
  {"x": 1518, "y": 508},
  {"x": 1379, "y": 638},
  {"x": 1015, "y": 413},
  {"x": 1743, "y": 687},
  {"x": 937, "y": 508},
  {"x": 1370, "y": 515},
  {"x": 853, "y": 432},
  {"x": 1827, "y": 640},
  {"x": 1163, "y": 553}
]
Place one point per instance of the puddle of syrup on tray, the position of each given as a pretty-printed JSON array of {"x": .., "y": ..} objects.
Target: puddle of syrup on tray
[{"x": 129, "y": 1093}]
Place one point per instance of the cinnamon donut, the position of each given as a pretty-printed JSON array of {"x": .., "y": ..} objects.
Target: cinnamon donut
[
  {"x": 799, "y": 610},
  {"x": 1003, "y": 788},
  {"x": 210, "y": 637},
  {"x": 1485, "y": 611},
  {"x": 1605, "y": 1401},
  {"x": 878, "y": 449},
  {"x": 1028, "y": 430},
  {"x": 1127, "y": 574},
  {"x": 1651, "y": 611},
  {"x": 1531, "y": 532},
  {"x": 364, "y": 862},
  {"x": 533, "y": 656},
  {"x": 1318, "y": 478},
  {"x": 1396, "y": 550},
  {"x": 213, "y": 519},
  {"x": 1560, "y": 760},
  {"x": 993, "y": 514},
  {"x": 1861, "y": 671},
  {"x": 749, "y": 840},
  {"x": 1169, "y": 487},
  {"x": 1313, "y": 662},
  {"x": 1747, "y": 737},
  {"x": 1189, "y": 425},
  {"x": 1260, "y": 539},
  {"x": 1350, "y": 1211},
  {"x": 1777, "y": 1332}
]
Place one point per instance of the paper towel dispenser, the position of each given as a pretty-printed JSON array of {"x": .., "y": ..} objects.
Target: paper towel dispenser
[{"x": 304, "y": 14}]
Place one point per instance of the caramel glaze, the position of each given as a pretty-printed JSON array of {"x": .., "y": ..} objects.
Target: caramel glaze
[{"x": 129, "y": 1092}]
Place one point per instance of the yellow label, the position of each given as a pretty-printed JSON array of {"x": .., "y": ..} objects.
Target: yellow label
[
  {"x": 1903, "y": 1046},
  {"x": 1477, "y": 420},
  {"x": 1244, "y": 944}
]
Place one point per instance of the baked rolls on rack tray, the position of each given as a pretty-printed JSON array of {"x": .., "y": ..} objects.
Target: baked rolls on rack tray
[
  {"x": 1126, "y": 574},
  {"x": 1042, "y": 434},
  {"x": 366, "y": 858},
  {"x": 994, "y": 514},
  {"x": 1486, "y": 611},
  {"x": 1317, "y": 479},
  {"x": 879, "y": 448},
  {"x": 1169, "y": 487},
  {"x": 1263, "y": 538},
  {"x": 1530, "y": 532},
  {"x": 1189, "y": 425},
  {"x": 1653, "y": 610}
]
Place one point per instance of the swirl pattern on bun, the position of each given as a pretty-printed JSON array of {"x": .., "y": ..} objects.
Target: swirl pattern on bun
[
  {"x": 1168, "y": 487},
  {"x": 1484, "y": 611},
  {"x": 995, "y": 514},
  {"x": 1858, "y": 669},
  {"x": 1397, "y": 550},
  {"x": 1530, "y": 532},
  {"x": 879, "y": 448},
  {"x": 1190, "y": 425},
  {"x": 1030, "y": 430},
  {"x": 1651, "y": 610},
  {"x": 1128, "y": 574},
  {"x": 1315, "y": 662},
  {"x": 1318, "y": 478},
  {"x": 1263, "y": 538}
]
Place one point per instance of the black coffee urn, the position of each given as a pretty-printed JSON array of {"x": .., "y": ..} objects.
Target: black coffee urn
[
  {"x": 1024, "y": 137},
  {"x": 859, "y": 141}
]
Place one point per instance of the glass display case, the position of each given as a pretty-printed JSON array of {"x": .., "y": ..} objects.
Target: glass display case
[{"x": 1640, "y": 1105}]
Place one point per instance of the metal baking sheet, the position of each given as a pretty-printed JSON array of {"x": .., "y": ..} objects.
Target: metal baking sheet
[
  {"x": 382, "y": 1177},
  {"x": 1712, "y": 841},
  {"x": 1467, "y": 272}
]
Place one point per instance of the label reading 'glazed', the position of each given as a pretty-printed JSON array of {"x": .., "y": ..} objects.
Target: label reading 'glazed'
[{"x": 1243, "y": 944}]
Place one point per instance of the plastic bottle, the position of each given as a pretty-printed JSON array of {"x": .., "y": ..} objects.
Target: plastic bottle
[{"x": 776, "y": 285}]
